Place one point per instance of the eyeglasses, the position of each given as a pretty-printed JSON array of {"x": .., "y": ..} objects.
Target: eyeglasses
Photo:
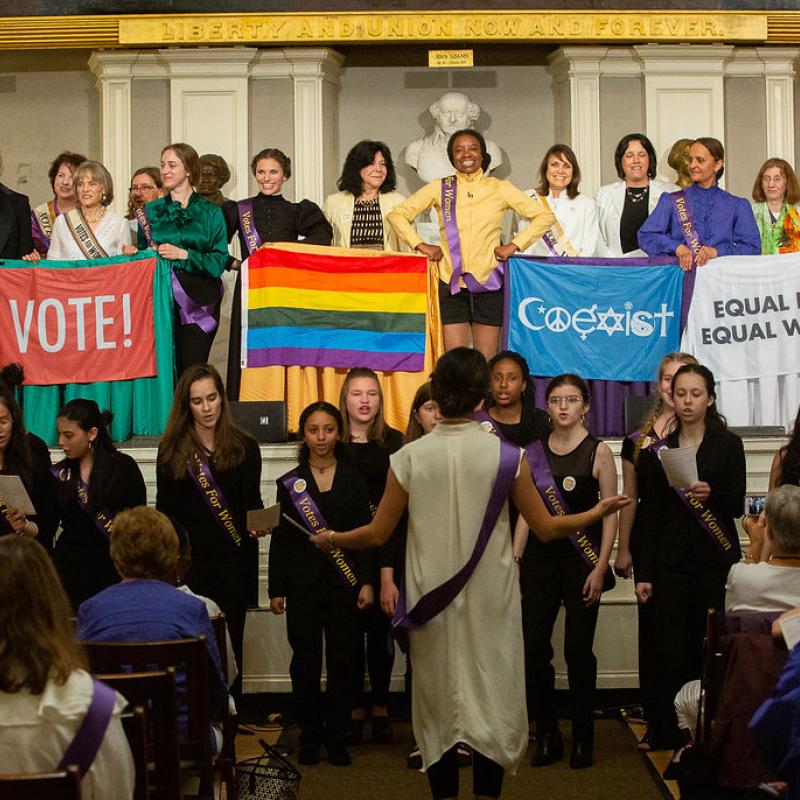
[
  {"x": 146, "y": 188},
  {"x": 569, "y": 400}
]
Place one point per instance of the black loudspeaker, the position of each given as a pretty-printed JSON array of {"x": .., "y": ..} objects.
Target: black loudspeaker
[{"x": 264, "y": 420}]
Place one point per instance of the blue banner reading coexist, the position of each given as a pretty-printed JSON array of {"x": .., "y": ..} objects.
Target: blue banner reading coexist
[{"x": 599, "y": 318}]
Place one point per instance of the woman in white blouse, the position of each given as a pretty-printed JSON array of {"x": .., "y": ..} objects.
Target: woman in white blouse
[
  {"x": 576, "y": 232},
  {"x": 91, "y": 230},
  {"x": 624, "y": 205}
]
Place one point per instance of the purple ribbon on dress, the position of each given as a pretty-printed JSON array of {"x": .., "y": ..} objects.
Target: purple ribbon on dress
[
  {"x": 252, "y": 239},
  {"x": 686, "y": 222},
  {"x": 547, "y": 487},
  {"x": 82, "y": 750},
  {"x": 102, "y": 519},
  {"x": 208, "y": 487},
  {"x": 314, "y": 522},
  {"x": 189, "y": 311},
  {"x": 726, "y": 541},
  {"x": 495, "y": 280},
  {"x": 435, "y": 601}
]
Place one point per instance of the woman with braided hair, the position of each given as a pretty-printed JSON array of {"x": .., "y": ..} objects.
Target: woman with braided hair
[{"x": 655, "y": 427}]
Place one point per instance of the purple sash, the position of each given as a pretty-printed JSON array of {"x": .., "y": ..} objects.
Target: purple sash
[
  {"x": 314, "y": 522},
  {"x": 208, "y": 487},
  {"x": 89, "y": 736},
  {"x": 726, "y": 541},
  {"x": 38, "y": 232},
  {"x": 252, "y": 240},
  {"x": 435, "y": 601},
  {"x": 686, "y": 221},
  {"x": 189, "y": 312},
  {"x": 102, "y": 519},
  {"x": 495, "y": 280},
  {"x": 487, "y": 422},
  {"x": 588, "y": 549}
]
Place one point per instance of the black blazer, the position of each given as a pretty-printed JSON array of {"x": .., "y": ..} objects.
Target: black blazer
[
  {"x": 670, "y": 535},
  {"x": 16, "y": 237},
  {"x": 295, "y": 563}
]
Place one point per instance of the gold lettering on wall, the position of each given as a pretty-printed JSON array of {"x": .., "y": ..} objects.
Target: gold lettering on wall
[{"x": 405, "y": 26}]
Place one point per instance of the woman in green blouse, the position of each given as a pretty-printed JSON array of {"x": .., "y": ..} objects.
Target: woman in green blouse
[{"x": 189, "y": 232}]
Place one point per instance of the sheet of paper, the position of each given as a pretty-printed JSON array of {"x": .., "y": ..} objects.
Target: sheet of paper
[
  {"x": 680, "y": 465},
  {"x": 14, "y": 495},
  {"x": 262, "y": 519},
  {"x": 790, "y": 627}
]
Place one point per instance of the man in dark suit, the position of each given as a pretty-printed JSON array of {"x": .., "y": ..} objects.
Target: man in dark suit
[{"x": 15, "y": 224}]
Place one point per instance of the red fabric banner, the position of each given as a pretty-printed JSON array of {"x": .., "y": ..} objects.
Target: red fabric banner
[{"x": 79, "y": 325}]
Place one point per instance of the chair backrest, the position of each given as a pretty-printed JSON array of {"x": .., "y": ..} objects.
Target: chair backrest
[
  {"x": 155, "y": 692},
  {"x": 220, "y": 626},
  {"x": 742, "y": 665},
  {"x": 189, "y": 657},
  {"x": 226, "y": 760},
  {"x": 135, "y": 726},
  {"x": 64, "y": 785}
]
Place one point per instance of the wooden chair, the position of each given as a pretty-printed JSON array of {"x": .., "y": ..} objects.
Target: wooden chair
[
  {"x": 190, "y": 659},
  {"x": 226, "y": 760},
  {"x": 155, "y": 692},
  {"x": 135, "y": 726},
  {"x": 742, "y": 663},
  {"x": 42, "y": 786}
]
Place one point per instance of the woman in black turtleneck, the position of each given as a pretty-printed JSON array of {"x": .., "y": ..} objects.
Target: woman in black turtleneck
[{"x": 267, "y": 217}]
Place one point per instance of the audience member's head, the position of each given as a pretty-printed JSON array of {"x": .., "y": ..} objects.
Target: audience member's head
[
  {"x": 782, "y": 511},
  {"x": 37, "y": 640},
  {"x": 144, "y": 545}
]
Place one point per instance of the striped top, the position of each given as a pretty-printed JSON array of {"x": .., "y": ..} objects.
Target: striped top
[{"x": 367, "y": 227}]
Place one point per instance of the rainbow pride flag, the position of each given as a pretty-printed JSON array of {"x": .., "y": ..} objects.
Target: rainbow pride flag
[{"x": 312, "y": 307}]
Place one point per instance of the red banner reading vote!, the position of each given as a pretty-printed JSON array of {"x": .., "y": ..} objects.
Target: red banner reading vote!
[{"x": 79, "y": 325}]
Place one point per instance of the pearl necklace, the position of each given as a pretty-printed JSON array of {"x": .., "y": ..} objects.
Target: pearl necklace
[{"x": 96, "y": 219}]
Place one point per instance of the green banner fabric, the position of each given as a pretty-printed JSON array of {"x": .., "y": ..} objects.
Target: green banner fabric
[{"x": 141, "y": 406}]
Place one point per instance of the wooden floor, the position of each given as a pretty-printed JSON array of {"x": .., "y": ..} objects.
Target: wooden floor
[{"x": 658, "y": 759}]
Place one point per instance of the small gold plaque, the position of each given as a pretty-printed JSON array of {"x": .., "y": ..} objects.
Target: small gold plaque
[{"x": 450, "y": 58}]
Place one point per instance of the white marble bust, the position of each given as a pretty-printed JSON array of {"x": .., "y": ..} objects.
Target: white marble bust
[{"x": 428, "y": 155}]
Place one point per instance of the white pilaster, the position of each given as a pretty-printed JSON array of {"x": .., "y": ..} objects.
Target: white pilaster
[
  {"x": 113, "y": 73},
  {"x": 315, "y": 75},
  {"x": 209, "y": 105},
  {"x": 779, "y": 76},
  {"x": 684, "y": 93},
  {"x": 576, "y": 75}
]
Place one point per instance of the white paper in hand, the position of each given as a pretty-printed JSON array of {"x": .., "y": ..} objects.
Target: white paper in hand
[
  {"x": 790, "y": 627},
  {"x": 12, "y": 490},
  {"x": 680, "y": 465}
]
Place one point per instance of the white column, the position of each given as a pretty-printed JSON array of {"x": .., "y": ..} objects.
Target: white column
[
  {"x": 209, "y": 105},
  {"x": 684, "y": 93},
  {"x": 779, "y": 76},
  {"x": 113, "y": 73},
  {"x": 576, "y": 75},
  {"x": 315, "y": 75}
]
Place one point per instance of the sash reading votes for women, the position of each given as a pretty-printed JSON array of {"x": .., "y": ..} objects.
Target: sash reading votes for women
[
  {"x": 208, "y": 487},
  {"x": 43, "y": 217},
  {"x": 495, "y": 280},
  {"x": 686, "y": 221},
  {"x": 588, "y": 547},
  {"x": 314, "y": 522},
  {"x": 435, "y": 601},
  {"x": 554, "y": 237},
  {"x": 102, "y": 519},
  {"x": 726, "y": 540},
  {"x": 189, "y": 312},
  {"x": 83, "y": 235},
  {"x": 252, "y": 239}
]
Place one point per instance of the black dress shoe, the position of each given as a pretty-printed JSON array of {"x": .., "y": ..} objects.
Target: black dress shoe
[
  {"x": 338, "y": 755},
  {"x": 549, "y": 749},
  {"x": 581, "y": 755},
  {"x": 381, "y": 730},
  {"x": 355, "y": 731},
  {"x": 308, "y": 754}
]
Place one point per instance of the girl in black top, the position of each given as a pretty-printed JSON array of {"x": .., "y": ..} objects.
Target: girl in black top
[
  {"x": 26, "y": 455},
  {"x": 94, "y": 483},
  {"x": 306, "y": 585},
  {"x": 636, "y": 449},
  {"x": 275, "y": 219},
  {"x": 682, "y": 567},
  {"x": 201, "y": 443},
  {"x": 510, "y": 403},
  {"x": 555, "y": 572},
  {"x": 369, "y": 442}
]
